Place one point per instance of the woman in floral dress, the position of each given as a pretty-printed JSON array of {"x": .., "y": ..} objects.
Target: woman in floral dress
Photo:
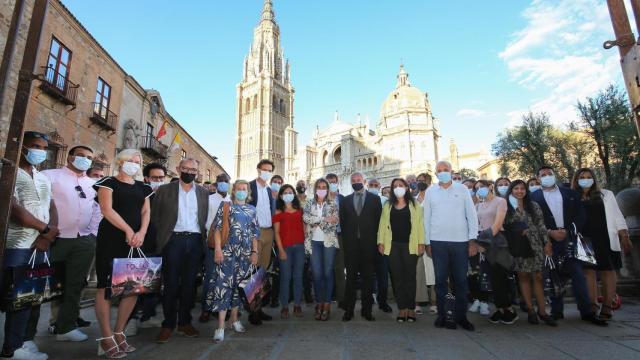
[{"x": 234, "y": 258}]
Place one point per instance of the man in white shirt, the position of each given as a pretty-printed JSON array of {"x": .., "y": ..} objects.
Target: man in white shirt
[{"x": 451, "y": 228}]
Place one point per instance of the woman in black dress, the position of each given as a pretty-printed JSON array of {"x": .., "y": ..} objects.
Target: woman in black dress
[
  {"x": 125, "y": 206},
  {"x": 607, "y": 230}
]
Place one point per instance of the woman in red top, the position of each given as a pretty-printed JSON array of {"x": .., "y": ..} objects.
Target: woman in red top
[{"x": 289, "y": 230}]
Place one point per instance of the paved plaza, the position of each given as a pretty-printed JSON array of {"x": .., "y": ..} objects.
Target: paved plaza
[{"x": 306, "y": 339}]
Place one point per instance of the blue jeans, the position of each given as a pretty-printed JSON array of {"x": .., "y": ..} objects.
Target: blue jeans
[
  {"x": 451, "y": 259},
  {"x": 292, "y": 267},
  {"x": 578, "y": 283},
  {"x": 21, "y": 325},
  {"x": 209, "y": 273},
  {"x": 322, "y": 259}
]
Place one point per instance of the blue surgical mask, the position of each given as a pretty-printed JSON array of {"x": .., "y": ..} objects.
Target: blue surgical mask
[
  {"x": 483, "y": 192},
  {"x": 288, "y": 198},
  {"x": 548, "y": 181},
  {"x": 82, "y": 163},
  {"x": 275, "y": 187},
  {"x": 36, "y": 156},
  {"x": 585, "y": 183},
  {"x": 502, "y": 190},
  {"x": 223, "y": 187},
  {"x": 534, "y": 188},
  {"x": 471, "y": 192},
  {"x": 444, "y": 177},
  {"x": 457, "y": 181},
  {"x": 333, "y": 188},
  {"x": 374, "y": 191},
  {"x": 241, "y": 195},
  {"x": 413, "y": 185},
  {"x": 513, "y": 201},
  {"x": 384, "y": 199}
]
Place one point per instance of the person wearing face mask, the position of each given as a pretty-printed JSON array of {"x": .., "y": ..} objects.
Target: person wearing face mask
[
  {"x": 72, "y": 190},
  {"x": 385, "y": 193},
  {"x": 471, "y": 185},
  {"x": 412, "y": 180},
  {"x": 32, "y": 226},
  {"x": 221, "y": 196},
  {"x": 275, "y": 185},
  {"x": 359, "y": 220},
  {"x": 289, "y": 230},
  {"x": 339, "y": 273},
  {"x": 401, "y": 240},
  {"x": 425, "y": 275},
  {"x": 301, "y": 191},
  {"x": 235, "y": 253},
  {"x": 502, "y": 186},
  {"x": 180, "y": 211},
  {"x": 456, "y": 177},
  {"x": 382, "y": 263},
  {"x": 125, "y": 205},
  {"x": 321, "y": 243},
  {"x": 451, "y": 229},
  {"x": 609, "y": 234},
  {"x": 533, "y": 185},
  {"x": 562, "y": 210}
]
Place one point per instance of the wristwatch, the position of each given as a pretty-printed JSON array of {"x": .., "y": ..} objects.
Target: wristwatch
[{"x": 45, "y": 230}]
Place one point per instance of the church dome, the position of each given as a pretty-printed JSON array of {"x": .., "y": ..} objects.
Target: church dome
[{"x": 404, "y": 98}]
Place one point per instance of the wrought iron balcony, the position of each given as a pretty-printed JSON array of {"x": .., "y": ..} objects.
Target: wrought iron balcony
[
  {"x": 59, "y": 86},
  {"x": 104, "y": 117},
  {"x": 154, "y": 148}
]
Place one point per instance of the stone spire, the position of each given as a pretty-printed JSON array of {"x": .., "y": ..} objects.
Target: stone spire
[
  {"x": 403, "y": 77},
  {"x": 267, "y": 11}
]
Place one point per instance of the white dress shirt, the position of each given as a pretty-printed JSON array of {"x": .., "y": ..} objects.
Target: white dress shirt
[
  {"x": 214, "y": 204},
  {"x": 554, "y": 201},
  {"x": 263, "y": 206},
  {"x": 187, "y": 211}
]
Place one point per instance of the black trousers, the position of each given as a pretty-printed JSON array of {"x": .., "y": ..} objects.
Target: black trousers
[
  {"x": 382, "y": 278},
  {"x": 403, "y": 275},
  {"x": 500, "y": 286},
  {"x": 359, "y": 258}
]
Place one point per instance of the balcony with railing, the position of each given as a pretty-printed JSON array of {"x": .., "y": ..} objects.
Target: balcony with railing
[
  {"x": 59, "y": 86},
  {"x": 104, "y": 117},
  {"x": 154, "y": 148}
]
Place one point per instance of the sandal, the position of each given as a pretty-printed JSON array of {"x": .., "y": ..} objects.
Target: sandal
[
  {"x": 124, "y": 346},
  {"x": 297, "y": 311},
  {"x": 608, "y": 315},
  {"x": 111, "y": 353},
  {"x": 411, "y": 316},
  {"x": 326, "y": 310},
  {"x": 318, "y": 314},
  {"x": 284, "y": 313}
]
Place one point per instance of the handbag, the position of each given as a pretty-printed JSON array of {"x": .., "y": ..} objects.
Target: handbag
[
  {"x": 135, "y": 276},
  {"x": 254, "y": 288},
  {"x": 554, "y": 282},
  {"x": 519, "y": 244},
  {"x": 225, "y": 227},
  {"x": 32, "y": 285},
  {"x": 584, "y": 249},
  {"x": 484, "y": 277}
]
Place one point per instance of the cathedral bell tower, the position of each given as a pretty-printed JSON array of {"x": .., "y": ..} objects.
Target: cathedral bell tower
[{"x": 264, "y": 104}]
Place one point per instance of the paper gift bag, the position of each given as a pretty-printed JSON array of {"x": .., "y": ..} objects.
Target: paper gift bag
[{"x": 135, "y": 276}]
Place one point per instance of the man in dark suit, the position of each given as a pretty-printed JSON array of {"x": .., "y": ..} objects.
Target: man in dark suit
[
  {"x": 359, "y": 219},
  {"x": 179, "y": 212},
  {"x": 562, "y": 211}
]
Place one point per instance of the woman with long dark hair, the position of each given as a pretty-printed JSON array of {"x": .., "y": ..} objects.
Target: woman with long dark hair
[
  {"x": 526, "y": 216},
  {"x": 607, "y": 229},
  {"x": 289, "y": 230},
  {"x": 401, "y": 238},
  {"x": 502, "y": 186}
]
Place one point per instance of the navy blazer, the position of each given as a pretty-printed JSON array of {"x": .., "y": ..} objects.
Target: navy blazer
[
  {"x": 254, "y": 196},
  {"x": 572, "y": 209}
]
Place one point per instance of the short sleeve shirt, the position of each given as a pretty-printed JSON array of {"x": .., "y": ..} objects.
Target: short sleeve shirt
[{"x": 34, "y": 195}]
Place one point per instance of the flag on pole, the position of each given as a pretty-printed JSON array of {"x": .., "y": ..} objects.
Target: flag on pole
[
  {"x": 163, "y": 131},
  {"x": 177, "y": 142}
]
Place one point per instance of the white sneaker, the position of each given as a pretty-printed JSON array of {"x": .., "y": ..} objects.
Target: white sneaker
[
  {"x": 132, "y": 328},
  {"x": 31, "y": 346},
  {"x": 73, "y": 336},
  {"x": 418, "y": 310},
  {"x": 152, "y": 322},
  {"x": 475, "y": 306},
  {"x": 219, "y": 335},
  {"x": 237, "y": 327},
  {"x": 24, "y": 354},
  {"x": 484, "y": 309}
]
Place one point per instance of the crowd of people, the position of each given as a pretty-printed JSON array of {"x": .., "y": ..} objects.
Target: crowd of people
[{"x": 443, "y": 245}]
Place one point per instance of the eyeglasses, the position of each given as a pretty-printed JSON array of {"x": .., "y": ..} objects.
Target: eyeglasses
[{"x": 81, "y": 192}]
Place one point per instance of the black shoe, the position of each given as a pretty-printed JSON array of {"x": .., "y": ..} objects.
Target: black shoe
[
  {"x": 557, "y": 316},
  {"x": 254, "y": 319},
  {"x": 451, "y": 325},
  {"x": 440, "y": 322},
  {"x": 532, "y": 318},
  {"x": 341, "y": 305},
  {"x": 368, "y": 317},
  {"x": 496, "y": 317},
  {"x": 548, "y": 320},
  {"x": 385, "y": 308},
  {"x": 592, "y": 318},
  {"x": 509, "y": 317},
  {"x": 401, "y": 319},
  {"x": 465, "y": 324},
  {"x": 264, "y": 317},
  {"x": 81, "y": 323},
  {"x": 348, "y": 316}
]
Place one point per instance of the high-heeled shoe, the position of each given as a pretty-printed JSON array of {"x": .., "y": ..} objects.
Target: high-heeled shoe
[
  {"x": 113, "y": 352},
  {"x": 124, "y": 346}
]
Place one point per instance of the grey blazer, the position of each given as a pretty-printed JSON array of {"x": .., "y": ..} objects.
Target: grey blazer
[{"x": 164, "y": 211}]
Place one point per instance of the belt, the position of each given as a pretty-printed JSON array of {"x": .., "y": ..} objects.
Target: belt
[
  {"x": 185, "y": 233},
  {"x": 270, "y": 227}
]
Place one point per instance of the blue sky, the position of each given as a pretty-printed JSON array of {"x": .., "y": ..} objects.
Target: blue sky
[{"x": 483, "y": 63}]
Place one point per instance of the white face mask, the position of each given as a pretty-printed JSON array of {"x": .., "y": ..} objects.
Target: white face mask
[
  {"x": 130, "y": 168},
  {"x": 156, "y": 184},
  {"x": 399, "y": 192},
  {"x": 265, "y": 175}
]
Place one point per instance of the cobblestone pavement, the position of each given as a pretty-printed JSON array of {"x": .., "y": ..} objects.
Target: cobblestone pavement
[{"x": 383, "y": 339}]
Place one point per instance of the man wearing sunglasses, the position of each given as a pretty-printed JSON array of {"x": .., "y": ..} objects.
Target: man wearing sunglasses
[{"x": 73, "y": 192}]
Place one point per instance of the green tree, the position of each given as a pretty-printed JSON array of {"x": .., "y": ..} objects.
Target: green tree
[
  {"x": 608, "y": 121},
  {"x": 468, "y": 173}
]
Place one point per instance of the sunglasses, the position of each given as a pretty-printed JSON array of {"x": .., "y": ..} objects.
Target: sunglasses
[{"x": 81, "y": 192}]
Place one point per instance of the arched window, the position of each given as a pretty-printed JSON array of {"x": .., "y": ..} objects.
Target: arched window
[
  {"x": 281, "y": 106},
  {"x": 375, "y": 161},
  {"x": 337, "y": 155},
  {"x": 325, "y": 157},
  {"x": 275, "y": 103}
]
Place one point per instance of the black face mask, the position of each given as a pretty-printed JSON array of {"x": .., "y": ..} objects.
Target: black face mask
[
  {"x": 357, "y": 186},
  {"x": 422, "y": 186},
  {"x": 187, "y": 178},
  {"x": 301, "y": 189}
]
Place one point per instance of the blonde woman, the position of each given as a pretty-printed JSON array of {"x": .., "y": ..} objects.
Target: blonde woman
[
  {"x": 124, "y": 203},
  {"x": 234, "y": 258}
]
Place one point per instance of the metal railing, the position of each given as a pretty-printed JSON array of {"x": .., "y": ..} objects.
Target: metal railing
[
  {"x": 59, "y": 86},
  {"x": 104, "y": 117},
  {"x": 153, "y": 147}
]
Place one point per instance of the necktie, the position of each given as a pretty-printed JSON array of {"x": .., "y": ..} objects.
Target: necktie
[{"x": 360, "y": 202}]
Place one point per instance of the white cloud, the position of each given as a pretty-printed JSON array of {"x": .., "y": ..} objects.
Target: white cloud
[
  {"x": 471, "y": 113},
  {"x": 559, "y": 53}
]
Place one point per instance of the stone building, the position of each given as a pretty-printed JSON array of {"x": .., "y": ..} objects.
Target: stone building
[{"x": 264, "y": 105}]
